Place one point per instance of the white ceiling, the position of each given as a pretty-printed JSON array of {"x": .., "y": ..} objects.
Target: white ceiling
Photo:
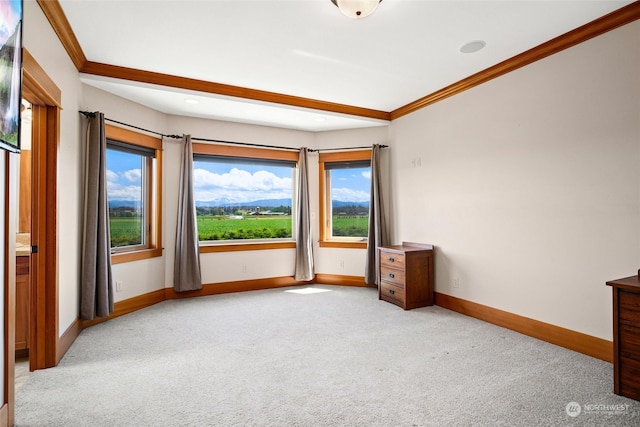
[{"x": 406, "y": 50}]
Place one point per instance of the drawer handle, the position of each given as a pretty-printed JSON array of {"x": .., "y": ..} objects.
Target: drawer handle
[
  {"x": 392, "y": 292},
  {"x": 392, "y": 259},
  {"x": 392, "y": 275}
]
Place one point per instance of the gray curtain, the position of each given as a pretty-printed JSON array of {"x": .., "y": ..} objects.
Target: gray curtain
[
  {"x": 96, "y": 288},
  {"x": 378, "y": 234},
  {"x": 304, "y": 244},
  {"x": 186, "y": 272}
]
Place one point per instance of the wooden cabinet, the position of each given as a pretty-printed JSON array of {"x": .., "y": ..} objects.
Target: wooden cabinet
[
  {"x": 626, "y": 336},
  {"x": 22, "y": 303},
  {"x": 405, "y": 275}
]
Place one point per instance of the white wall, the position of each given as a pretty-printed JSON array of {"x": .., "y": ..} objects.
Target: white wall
[
  {"x": 529, "y": 184},
  {"x": 43, "y": 44}
]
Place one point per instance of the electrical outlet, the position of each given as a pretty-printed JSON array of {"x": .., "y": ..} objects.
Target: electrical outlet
[
  {"x": 118, "y": 285},
  {"x": 341, "y": 264},
  {"x": 244, "y": 268},
  {"x": 456, "y": 283}
]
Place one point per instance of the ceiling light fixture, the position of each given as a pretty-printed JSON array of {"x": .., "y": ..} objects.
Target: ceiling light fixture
[{"x": 356, "y": 9}]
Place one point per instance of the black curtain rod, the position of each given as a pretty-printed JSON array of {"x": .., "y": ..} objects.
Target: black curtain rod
[
  {"x": 251, "y": 144},
  {"x": 90, "y": 114},
  {"x": 317, "y": 150}
]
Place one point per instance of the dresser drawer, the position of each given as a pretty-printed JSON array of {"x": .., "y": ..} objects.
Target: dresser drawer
[
  {"x": 392, "y": 275},
  {"x": 390, "y": 291},
  {"x": 391, "y": 259},
  {"x": 629, "y": 306},
  {"x": 629, "y": 374},
  {"x": 629, "y": 341}
]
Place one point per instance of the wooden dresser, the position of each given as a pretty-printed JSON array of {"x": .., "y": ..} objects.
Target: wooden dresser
[
  {"x": 405, "y": 276},
  {"x": 626, "y": 336}
]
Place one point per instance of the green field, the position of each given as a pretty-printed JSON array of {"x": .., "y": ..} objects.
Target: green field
[
  {"x": 351, "y": 226},
  {"x": 268, "y": 227},
  {"x": 256, "y": 227},
  {"x": 127, "y": 231}
]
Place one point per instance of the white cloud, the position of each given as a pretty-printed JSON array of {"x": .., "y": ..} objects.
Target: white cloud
[
  {"x": 240, "y": 186},
  {"x": 111, "y": 176},
  {"x": 124, "y": 192},
  {"x": 118, "y": 190},
  {"x": 349, "y": 195},
  {"x": 366, "y": 174},
  {"x": 132, "y": 175}
]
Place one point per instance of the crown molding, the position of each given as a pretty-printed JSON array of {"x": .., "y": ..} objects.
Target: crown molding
[
  {"x": 56, "y": 17},
  {"x": 132, "y": 74},
  {"x": 58, "y": 20},
  {"x": 611, "y": 21},
  {"x": 54, "y": 13}
]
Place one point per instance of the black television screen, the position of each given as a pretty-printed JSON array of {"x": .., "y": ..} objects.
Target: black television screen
[{"x": 10, "y": 73}]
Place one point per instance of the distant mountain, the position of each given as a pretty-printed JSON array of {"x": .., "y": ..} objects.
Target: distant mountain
[
  {"x": 341, "y": 204},
  {"x": 113, "y": 204},
  {"x": 264, "y": 203}
]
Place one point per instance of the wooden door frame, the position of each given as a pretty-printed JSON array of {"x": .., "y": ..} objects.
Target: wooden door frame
[
  {"x": 40, "y": 90},
  {"x": 7, "y": 410},
  {"x": 45, "y": 97}
]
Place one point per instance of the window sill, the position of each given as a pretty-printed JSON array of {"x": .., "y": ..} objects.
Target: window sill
[
  {"x": 122, "y": 257},
  {"x": 342, "y": 244},
  {"x": 204, "y": 249}
]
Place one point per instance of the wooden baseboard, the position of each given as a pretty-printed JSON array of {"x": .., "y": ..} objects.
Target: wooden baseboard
[
  {"x": 237, "y": 286},
  {"x": 67, "y": 338},
  {"x": 128, "y": 306},
  {"x": 334, "y": 279},
  {"x": 146, "y": 300},
  {"x": 576, "y": 341}
]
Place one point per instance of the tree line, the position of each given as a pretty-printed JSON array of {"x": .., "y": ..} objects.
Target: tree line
[{"x": 239, "y": 210}]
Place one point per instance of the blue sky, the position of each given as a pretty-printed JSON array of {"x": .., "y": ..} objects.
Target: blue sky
[
  {"x": 236, "y": 183},
  {"x": 246, "y": 183},
  {"x": 124, "y": 176},
  {"x": 351, "y": 185}
]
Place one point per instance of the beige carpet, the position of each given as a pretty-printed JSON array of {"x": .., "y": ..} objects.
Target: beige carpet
[{"x": 334, "y": 358}]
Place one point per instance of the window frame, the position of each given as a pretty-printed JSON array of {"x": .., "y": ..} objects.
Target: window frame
[
  {"x": 203, "y": 149},
  {"x": 326, "y": 240},
  {"x": 153, "y": 196}
]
